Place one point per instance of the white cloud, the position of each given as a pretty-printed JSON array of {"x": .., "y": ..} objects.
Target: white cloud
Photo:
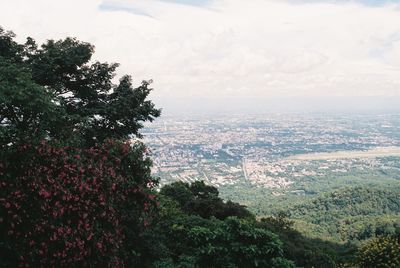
[{"x": 230, "y": 47}]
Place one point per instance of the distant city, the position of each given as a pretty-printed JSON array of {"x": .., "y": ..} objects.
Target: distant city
[{"x": 278, "y": 152}]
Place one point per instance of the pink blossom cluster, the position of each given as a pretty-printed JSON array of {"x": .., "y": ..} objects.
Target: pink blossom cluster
[{"x": 63, "y": 206}]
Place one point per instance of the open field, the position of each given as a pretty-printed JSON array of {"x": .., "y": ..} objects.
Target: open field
[{"x": 373, "y": 153}]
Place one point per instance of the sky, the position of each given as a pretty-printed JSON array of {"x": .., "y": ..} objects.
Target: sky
[{"x": 222, "y": 52}]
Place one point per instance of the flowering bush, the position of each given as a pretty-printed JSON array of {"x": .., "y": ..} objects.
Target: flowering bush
[{"x": 64, "y": 206}]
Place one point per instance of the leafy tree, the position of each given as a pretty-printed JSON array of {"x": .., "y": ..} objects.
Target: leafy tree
[
  {"x": 195, "y": 240},
  {"x": 178, "y": 191},
  {"x": 305, "y": 251},
  {"x": 200, "y": 190},
  {"x": 229, "y": 208},
  {"x": 73, "y": 190},
  {"x": 203, "y": 200},
  {"x": 27, "y": 112},
  {"x": 55, "y": 92},
  {"x": 237, "y": 243},
  {"x": 68, "y": 206},
  {"x": 382, "y": 251}
]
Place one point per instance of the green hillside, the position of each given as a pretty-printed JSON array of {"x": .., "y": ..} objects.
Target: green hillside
[{"x": 349, "y": 214}]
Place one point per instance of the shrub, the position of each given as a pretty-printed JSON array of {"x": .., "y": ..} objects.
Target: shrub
[{"x": 65, "y": 206}]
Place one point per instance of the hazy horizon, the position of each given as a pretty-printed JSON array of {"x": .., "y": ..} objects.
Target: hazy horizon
[
  {"x": 247, "y": 56},
  {"x": 285, "y": 105}
]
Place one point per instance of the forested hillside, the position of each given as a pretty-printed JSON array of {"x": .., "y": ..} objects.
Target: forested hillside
[{"x": 350, "y": 214}]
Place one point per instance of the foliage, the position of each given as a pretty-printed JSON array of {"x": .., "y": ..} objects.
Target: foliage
[
  {"x": 55, "y": 92},
  {"x": 67, "y": 206},
  {"x": 237, "y": 243},
  {"x": 305, "y": 251},
  {"x": 350, "y": 214},
  {"x": 73, "y": 191},
  {"x": 382, "y": 251},
  {"x": 175, "y": 224},
  {"x": 357, "y": 201},
  {"x": 203, "y": 200},
  {"x": 325, "y": 231},
  {"x": 193, "y": 241}
]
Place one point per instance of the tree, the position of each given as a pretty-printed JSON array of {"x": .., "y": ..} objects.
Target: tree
[
  {"x": 178, "y": 191},
  {"x": 198, "y": 242},
  {"x": 74, "y": 191},
  {"x": 201, "y": 199},
  {"x": 70, "y": 206},
  {"x": 382, "y": 251},
  {"x": 237, "y": 243},
  {"x": 55, "y": 92}
]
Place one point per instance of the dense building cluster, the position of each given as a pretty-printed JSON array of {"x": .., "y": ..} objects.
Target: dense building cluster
[{"x": 267, "y": 151}]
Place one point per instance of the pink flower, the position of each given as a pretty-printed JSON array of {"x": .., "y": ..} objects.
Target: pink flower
[
  {"x": 44, "y": 193},
  {"x": 90, "y": 236}
]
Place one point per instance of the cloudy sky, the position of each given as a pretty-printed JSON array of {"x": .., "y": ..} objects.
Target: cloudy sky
[{"x": 231, "y": 48}]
